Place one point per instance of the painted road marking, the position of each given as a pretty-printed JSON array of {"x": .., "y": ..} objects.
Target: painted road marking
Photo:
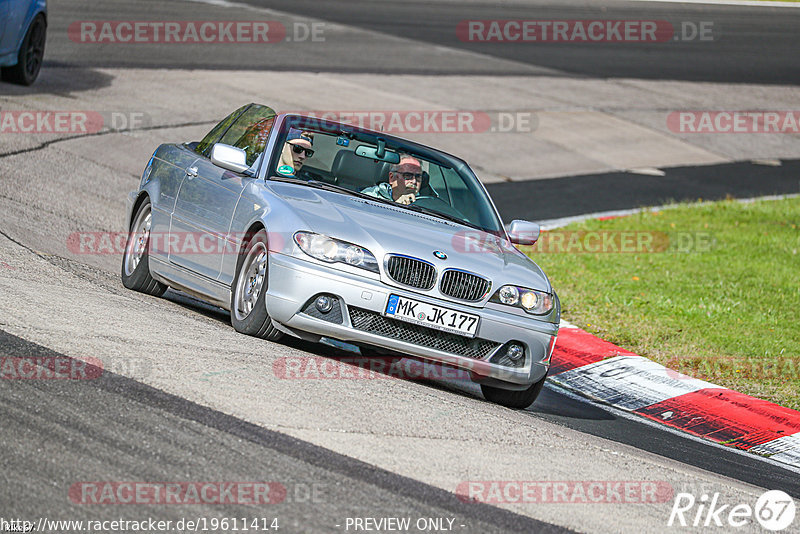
[{"x": 629, "y": 382}]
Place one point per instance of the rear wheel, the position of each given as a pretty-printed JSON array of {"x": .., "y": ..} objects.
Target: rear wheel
[
  {"x": 31, "y": 54},
  {"x": 135, "y": 263},
  {"x": 248, "y": 294},
  {"x": 513, "y": 399}
]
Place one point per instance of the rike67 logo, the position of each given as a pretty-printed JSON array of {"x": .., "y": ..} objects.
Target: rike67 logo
[{"x": 774, "y": 510}]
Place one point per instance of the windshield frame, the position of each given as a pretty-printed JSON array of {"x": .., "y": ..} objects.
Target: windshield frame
[{"x": 285, "y": 121}]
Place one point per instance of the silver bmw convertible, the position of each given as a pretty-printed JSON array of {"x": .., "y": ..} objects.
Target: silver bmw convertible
[{"x": 318, "y": 229}]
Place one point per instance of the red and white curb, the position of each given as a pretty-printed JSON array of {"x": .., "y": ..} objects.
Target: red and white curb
[{"x": 602, "y": 371}]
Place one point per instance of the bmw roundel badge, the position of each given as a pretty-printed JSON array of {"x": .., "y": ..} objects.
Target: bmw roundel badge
[{"x": 439, "y": 254}]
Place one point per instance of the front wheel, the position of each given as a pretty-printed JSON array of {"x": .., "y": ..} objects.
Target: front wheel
[
  {"x": 136, "y": 261},
  {"x": 513, "y": 399},
  {"x": 248, "y": 294}
]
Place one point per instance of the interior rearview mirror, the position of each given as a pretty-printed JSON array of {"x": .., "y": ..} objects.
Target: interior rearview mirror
[{"x": 371, "y": 152}]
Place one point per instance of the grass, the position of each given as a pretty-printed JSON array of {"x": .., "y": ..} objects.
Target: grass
[{"x": 718, "y": 297}]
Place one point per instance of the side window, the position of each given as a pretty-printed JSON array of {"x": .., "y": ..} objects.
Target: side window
[
  {"x": 250, "y": 131},
  {"x": 204, "y": 147}
]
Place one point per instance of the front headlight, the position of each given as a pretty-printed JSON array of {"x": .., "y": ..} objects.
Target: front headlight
[
  {"x": 331, "y": 250},
  {"x": 530, "y": 300}
]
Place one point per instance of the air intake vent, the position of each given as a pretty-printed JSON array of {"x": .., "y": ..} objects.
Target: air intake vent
[
  {"x": 411, "y": 272},
  {"x": 375, "y": 323}
]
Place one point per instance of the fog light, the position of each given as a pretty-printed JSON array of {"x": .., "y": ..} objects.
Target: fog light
[
  {"x": 515, "y": 352},
  {"x": 324, "y": 303}
]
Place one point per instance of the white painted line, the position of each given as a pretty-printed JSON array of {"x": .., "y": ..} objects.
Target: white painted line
[
  {"x": 745, "y": 3},
  {"x": 629, "y": 382},
  {"x": 647, "y": 171},
  {"x": 767, "y": 162},
  {"x": 551, "y": 224}
]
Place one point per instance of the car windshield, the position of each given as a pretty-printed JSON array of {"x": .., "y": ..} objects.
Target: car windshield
[{"x": 328, "y": 155}]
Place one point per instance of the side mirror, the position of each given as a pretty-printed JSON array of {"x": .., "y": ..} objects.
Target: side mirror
[
  {"x": 523, "y": 232},
  {"x": 229, "y": 157}
]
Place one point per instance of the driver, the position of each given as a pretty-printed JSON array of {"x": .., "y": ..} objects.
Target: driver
[{"x": 405, "y": 179}]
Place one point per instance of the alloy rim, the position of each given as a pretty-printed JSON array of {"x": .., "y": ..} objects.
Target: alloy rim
[
  {"x": 251, "y": 281},
  {"x": 137, "y": 244}
]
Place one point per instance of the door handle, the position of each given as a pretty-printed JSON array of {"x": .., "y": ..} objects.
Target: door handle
[{"x": 191, "y": 172}]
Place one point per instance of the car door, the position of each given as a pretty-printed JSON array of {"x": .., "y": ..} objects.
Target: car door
[
  {"x": 166, "y": 169},
  {"x": 202, "y": 215},
  {"x": 199, "y": 233}
]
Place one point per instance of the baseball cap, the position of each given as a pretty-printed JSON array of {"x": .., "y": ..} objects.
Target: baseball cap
[{"x": 299, "y": 138}]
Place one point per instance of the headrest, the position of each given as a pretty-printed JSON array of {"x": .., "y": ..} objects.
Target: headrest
[{"x": 353, "y": 170}]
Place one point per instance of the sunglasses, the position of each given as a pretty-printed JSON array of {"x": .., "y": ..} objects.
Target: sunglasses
[
  {"x": 410, "y": 175},
  {"x": 299, "y": 149}
]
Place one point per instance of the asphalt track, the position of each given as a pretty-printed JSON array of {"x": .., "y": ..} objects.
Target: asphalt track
[
  {"x": 140, "y": 426},
  {"x": 169, "y": 439},
  {"x": 749, "y": 45},
  {"x": 592, "y": 193}
]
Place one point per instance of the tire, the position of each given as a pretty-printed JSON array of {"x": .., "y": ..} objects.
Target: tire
[
  {"x": 513, "y": 399},
  {"x": 136, "y": 260},
  {"x": 248, "y": 292},
  {"x": 31, "y": 54}
]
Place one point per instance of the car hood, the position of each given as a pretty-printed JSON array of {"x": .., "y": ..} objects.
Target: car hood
[{"x": 387, "y": 229}]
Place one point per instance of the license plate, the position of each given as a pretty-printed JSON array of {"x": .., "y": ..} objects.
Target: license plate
[{"x": 422, "y": 313}]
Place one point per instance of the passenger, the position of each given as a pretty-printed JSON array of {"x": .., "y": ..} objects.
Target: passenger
[
  {"x": 405, "y": 179},
  {"x": 298, "y": 147}
]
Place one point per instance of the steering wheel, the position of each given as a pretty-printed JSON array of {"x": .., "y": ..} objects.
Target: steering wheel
[{"x": 437, "y": 204}]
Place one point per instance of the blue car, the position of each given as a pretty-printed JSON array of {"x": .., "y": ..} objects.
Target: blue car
[{"x": 23, "y": 30}]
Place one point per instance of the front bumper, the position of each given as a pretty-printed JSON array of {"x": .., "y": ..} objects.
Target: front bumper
[{"x": 293, "y": 282}]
